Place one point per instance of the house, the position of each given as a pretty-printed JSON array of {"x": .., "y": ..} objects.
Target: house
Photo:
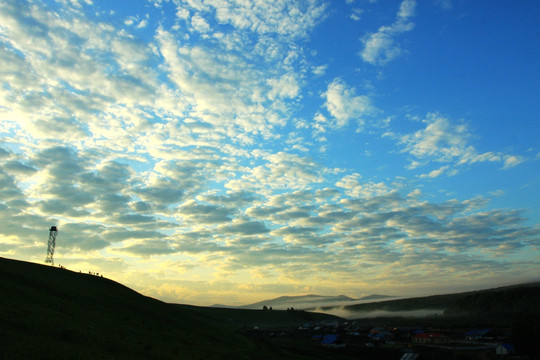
[
  {"x": 430, "y": 338},
  {"x": 332, "y": 341},
  {"x": 505, "y": 349},
  {"x": 476, "y": 334},
  {"x": 381, "y": 336},
  {"x": 329, "y": 339}
]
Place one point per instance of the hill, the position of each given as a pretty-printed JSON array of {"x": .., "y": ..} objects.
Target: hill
[
  {"x": 499, "y": 306},
  {"x": 375, "y": 297},
  {"x": 308, "y": 302},
  {"x": 301, "y": 302},
  {"x": 53, "y": 313}
]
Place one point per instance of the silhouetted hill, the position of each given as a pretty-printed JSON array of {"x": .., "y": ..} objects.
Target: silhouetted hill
[
  {"x": 52, "y": 313},
  {"x": 299, "y": 302},
  {"x": 375, "y": 297},
  {"x": 308, "y": 302}
]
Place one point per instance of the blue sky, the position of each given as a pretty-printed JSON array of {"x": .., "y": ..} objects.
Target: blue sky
[{"x": 227, "y": 151}]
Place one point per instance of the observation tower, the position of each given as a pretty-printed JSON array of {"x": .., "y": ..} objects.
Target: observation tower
[{"x": 53, "y": 231}]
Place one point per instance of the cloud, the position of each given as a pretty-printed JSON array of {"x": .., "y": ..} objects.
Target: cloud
[
  {"x": 445, "y": 5},
  {"x": 356, "y": 14},
  {"x": 197, "y": 213},
  {"x": 80, "y": 236},
  {"x": 284, "y": 87},
  {"x": 511, "y": 161},
  {"x": 245, "y": 228},
  {"x": 142, "y": 24},
  {"x": 443, "y": 141},
  {"x": 381, "y": 47},
  {"x": 344, "y": 105},
  {"x": 18, "y": 168},
  {"x": 355, "y": 189},
  {"x": 281, "y": 17},
  {"x": 148, "y": 248},
  {"x": 77, "y": 68},
  {"x": 199, "y": 24},
  {"x": 278, "y": 171},
  {"x": 229, "y": 94}
]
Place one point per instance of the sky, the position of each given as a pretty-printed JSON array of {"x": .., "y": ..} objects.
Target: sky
[{"x": 231, "y": 151}]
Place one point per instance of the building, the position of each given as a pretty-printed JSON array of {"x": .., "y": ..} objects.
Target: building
[
  {"x": 505, "y": 349},
  {"x": 430, "y": 338},
  {"x": 381, "y": 336},
  {"x": 477, "y": 334}
]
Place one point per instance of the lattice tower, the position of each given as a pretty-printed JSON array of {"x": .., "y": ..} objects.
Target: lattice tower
[{"x": 53, "y": 231}]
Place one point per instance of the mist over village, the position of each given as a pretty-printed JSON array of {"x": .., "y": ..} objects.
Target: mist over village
[{"x": 227, "y": 153}]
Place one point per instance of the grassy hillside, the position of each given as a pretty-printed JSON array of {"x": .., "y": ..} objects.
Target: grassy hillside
[
  {"x": 494, "y": 307},
  {"x": 53, "y": 313}
]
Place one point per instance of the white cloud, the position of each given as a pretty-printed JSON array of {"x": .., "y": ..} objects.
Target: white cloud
[
  {"x": 356, "y": 189},
  {"x": 445, "y": 142},
  {"x": 439, "y": 139},
  {"x": 200, "y": 24},
  {"x": 282, "y": 17},
  {"x": 320, "y": 70},
  {"x": 356, "y": 14},
  {"x": 284, "y": 87},
  {"x": 512, "y": 160},
  {"x": 182, "y": 13},
  {"x": 437, "y": 172},
  {"x": 279, "y": 171},
  {"x": 406, "y": 9},
  {"x": 344, "y": 105},
  {"x": 225, "y": 91},
  {"x": 381, "y": 47},
  {"x": 142, "y": 24},
  {"x": 444, "y": 4}
]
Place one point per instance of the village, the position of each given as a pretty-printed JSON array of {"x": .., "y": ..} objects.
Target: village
[{"x": 358, "y": 337}]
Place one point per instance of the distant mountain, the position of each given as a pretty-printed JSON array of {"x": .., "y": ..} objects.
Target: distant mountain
[
  {"x": 302, "y": 302},
  {"x": 222, "y": 306},
  {"x": 375, "y": 297},
  {"x": 310, "y": 302}
]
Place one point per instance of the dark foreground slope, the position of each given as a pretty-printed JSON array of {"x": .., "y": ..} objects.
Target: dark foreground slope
[{"x": 53, "y": 313}]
